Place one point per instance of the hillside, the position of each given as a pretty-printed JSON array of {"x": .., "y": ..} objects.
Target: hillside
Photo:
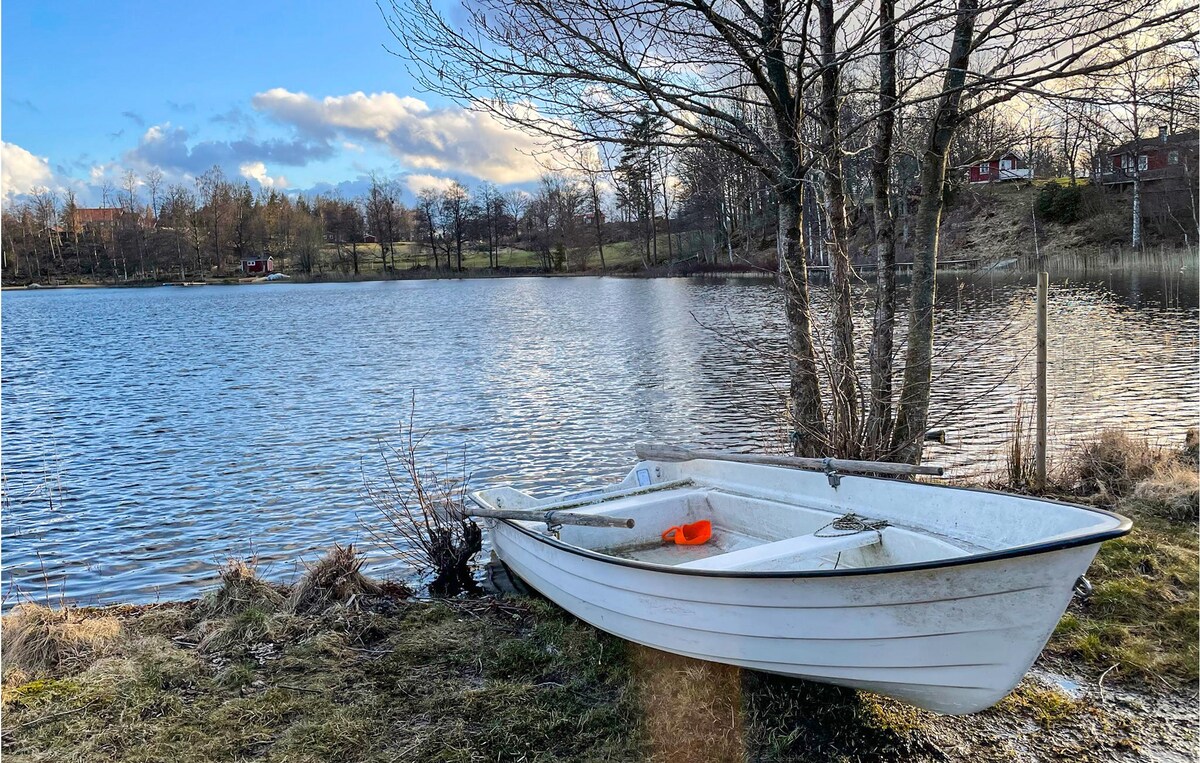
[{"x": 997, "y": 223}]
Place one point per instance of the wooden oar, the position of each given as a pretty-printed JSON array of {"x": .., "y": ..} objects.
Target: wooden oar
[
  {"x": 653, "y": 452},
  {"x": 553, "y": 517},
  {"x": 560, "y": 517}
]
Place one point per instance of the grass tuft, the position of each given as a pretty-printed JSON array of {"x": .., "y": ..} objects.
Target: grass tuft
[
  {"x": 241, "y": 589},
  {"x": 1142, "y": 614},
  {"x": 1045, "y": 704},
  {"x": 334, "y": 580},
  {"x": 246, "y": 628},
  {"x": 1111, "y": 464},
  {"x": 40, "y": 640},
  {"x": 1172, "y": 492}
]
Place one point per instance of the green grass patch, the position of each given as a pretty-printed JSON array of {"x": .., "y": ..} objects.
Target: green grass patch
[
  {"x": 1142, "y": 615},
  {"x": 1046, "y": 705}
]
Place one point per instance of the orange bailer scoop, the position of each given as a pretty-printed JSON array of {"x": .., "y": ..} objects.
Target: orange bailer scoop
[{"x": 689, "y": 535}]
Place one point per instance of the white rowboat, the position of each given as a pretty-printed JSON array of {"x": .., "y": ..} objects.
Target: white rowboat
[{"x": 938, "y": 596}]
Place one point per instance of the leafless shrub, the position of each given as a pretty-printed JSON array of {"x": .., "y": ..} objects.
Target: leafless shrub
[
  {"x": 40, "y": 640},
  {"x": 425, "y": 523}
]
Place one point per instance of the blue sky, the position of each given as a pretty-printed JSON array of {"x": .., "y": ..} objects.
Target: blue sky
[{"x": 299, "y": 95}]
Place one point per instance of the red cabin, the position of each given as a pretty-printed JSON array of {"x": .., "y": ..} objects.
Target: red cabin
[
  {"x": 1169, "y": 157},
  {"x": 258, "y": 264},
  {"x": 999, "y": 167}
]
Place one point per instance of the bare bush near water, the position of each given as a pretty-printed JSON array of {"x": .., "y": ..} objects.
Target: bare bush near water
[{"x": 425, "y": 523}]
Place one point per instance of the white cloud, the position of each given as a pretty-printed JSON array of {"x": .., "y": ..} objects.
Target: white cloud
[
  {"x": 449, "y": 139},
  {"x": 258, "y": 171},
  {"x": 21, "y": 171},
  {"x": 418, "y": 183}
]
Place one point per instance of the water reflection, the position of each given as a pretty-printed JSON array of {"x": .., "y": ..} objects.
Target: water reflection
[{"x": 149, "y": 433}]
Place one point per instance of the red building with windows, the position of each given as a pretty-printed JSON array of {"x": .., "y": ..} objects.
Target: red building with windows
[
  {"x": 999, "y": 167},
  {"x": 1166, "y": 157},
  {"x": 258, "y": 264}
]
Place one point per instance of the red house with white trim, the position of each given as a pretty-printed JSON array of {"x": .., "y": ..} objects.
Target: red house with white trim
[
  {"x": 1164, "y": 158},
  {"x": 258, "y": 263},
  {"x": 999, "y": 167}
]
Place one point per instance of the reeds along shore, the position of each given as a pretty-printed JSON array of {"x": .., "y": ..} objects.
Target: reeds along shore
[{"x": 340, "y": 666}]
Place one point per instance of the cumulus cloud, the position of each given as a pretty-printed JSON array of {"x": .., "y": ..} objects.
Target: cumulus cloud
[
  {"x": 418, "y": 183},
  {"x": 170, "y": 148},
  {"x": 258, "y": 171},
  {"x": 21, "y": 171},
  {"x": 424, "y": 138}
]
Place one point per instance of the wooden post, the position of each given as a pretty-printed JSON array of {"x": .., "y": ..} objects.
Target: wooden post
[{"x": 1043, "y": 287}]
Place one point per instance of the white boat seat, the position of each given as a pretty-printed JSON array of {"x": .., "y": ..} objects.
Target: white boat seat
[{"x": 789, "y": 549}]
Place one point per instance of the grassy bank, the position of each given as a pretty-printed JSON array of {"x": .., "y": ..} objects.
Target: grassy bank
[{"x": 342, "y": 668}]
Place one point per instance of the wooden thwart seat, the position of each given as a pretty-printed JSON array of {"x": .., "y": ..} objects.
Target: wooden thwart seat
[{"x": 792, "y": 549}]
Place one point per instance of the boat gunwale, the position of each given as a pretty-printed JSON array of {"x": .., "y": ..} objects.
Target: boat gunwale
[{"x": 1124, "y": 526}]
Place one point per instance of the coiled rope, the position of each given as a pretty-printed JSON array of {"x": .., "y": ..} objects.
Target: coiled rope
[{"x": 850, "y": 524}]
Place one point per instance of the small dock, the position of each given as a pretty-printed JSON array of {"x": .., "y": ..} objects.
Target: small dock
[{"x": 905, "y": 267}]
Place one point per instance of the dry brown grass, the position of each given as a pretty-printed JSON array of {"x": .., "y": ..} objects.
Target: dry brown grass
[
  {"x": 38, "y": 640},
  {"x": 241, "y": 589},
  {"x": 1172, "y": 492},
  {"x": 334, "y": 580},
  {"x": 1019, "y": 464},
  {"x": 1111, "y": 464}
]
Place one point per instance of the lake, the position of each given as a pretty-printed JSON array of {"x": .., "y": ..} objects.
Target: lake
[{"x": 148, "y": 434}]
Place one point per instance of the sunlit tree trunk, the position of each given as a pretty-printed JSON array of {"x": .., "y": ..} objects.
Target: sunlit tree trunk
[
  {"x": 844, "y": 384},
  {"x": 879, "y": 412},
  {"x": 912, "y": 415}
]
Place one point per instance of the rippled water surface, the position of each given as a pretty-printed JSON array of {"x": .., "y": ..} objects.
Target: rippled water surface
[{"x": 149, "y": 433}]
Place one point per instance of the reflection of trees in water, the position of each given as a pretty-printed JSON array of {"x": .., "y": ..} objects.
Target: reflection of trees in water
[{"x": 1118, "y": 357}]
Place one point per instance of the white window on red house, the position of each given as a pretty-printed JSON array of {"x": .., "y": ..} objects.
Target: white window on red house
[
  {"x": 985, "y": 168},
  {"x": 1143, "y": 162},
  {"x": 1005, "y": 164},
  {"x": 1173, "y": 157}
]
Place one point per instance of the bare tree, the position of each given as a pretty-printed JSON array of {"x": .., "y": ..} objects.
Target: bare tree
[
  {"x": 429, "y": 204},
  {"x": 455, "y": 213},
  {"x": 770, "y": 83}
]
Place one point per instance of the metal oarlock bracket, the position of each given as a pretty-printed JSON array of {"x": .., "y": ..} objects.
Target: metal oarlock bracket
[
  {"x": 835, "y": 479},
  {"x": 1082, "y": 587}
]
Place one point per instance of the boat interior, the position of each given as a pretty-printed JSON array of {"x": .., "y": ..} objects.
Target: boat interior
[
  {"x": 799, "y": 526},
  {"x": 748, "y": 533}
]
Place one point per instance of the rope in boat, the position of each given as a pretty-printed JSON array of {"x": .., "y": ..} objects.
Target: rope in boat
[{"x": 851, "y": 524}]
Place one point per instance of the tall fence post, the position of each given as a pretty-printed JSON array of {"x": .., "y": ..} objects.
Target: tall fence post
[{"x": 1043, "y": 287}]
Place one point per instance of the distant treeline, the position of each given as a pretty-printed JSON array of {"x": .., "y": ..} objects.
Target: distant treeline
[{"x": 661, "y": 204}]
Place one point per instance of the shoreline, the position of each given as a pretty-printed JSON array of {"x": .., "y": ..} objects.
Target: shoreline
[
  {"x": 749, "y": 271},
  {"x": 315, "y": 669},
  {"x": 423, "y": 276},
  {"x": 498, "y": 674}
]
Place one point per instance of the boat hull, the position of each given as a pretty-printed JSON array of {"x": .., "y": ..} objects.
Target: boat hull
[{"x": 953, "y": 639}]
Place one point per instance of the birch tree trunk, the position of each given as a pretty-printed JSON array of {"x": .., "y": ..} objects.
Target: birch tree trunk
[
  {"x": 1137, "y": 208},
  {"x": 912, "y": 415}
]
